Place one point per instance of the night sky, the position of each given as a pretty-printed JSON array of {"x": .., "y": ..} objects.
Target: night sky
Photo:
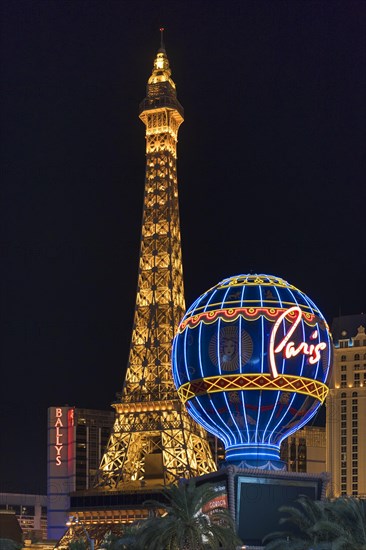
[{"x": 271, "y": 176}]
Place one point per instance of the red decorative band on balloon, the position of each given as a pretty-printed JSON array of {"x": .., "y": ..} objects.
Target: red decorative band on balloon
[
  {"x": 248, "y": 313},
  {"x": 237, "y": 382}
]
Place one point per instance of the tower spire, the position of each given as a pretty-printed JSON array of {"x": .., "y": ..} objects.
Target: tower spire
[
  {"x": 154, "y": 441},
  {"x": 162, "y": 46}
]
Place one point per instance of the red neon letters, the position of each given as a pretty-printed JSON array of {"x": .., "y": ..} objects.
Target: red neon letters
[
  {"x": 289, "y": 349},
  {"x": 58, "y": 435}
]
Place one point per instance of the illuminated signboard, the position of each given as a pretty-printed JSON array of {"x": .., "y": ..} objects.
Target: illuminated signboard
[
  {"x": 58, "y": 436},
  {"x": 250, "y": 362},
  {"x": 219, "y": 501},
  {"x": 60, "y": 468}
]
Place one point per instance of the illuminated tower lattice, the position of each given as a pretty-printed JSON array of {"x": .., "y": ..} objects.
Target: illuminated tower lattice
[{"x": 154, "y": 440}]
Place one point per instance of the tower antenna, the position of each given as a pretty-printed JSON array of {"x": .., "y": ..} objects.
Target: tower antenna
[{"x": 162, "y": 46}]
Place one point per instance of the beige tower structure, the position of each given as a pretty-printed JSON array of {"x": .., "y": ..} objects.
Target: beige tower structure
[
  {"x": 346, "y": 408},
  {"x": 154, "y": 441}
]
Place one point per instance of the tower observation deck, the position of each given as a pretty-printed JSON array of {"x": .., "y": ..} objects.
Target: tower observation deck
[{"x": 154, "y": 441}]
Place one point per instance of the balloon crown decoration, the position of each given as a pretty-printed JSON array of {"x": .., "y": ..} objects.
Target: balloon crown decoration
[{"x": 250, "y": 360}]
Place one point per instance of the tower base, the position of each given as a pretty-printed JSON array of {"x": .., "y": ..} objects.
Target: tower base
[{"x": 101, "y": 511}]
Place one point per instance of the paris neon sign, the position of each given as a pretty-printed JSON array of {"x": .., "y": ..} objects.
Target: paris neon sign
[{"x": 288, "y": 348}]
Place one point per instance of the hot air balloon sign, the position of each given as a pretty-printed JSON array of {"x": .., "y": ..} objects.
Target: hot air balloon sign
[{"x": 250, "y": 362}]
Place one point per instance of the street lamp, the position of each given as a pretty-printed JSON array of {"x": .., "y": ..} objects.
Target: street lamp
[{"x": 74, "y": 520}]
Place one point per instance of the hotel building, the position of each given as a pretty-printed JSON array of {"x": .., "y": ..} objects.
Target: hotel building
[
  {"x": 346, "y": 408},
  {"x": 76, "y": 441}
]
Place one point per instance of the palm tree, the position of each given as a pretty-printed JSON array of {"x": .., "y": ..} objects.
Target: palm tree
[
  {"x": 9, "y": 544},
  {"x": 345, "y": 524},
  {"x": 300, "y": 534},
  {"x": 183, "y": 525},
  {"x": 130, "y": 538},
  {"x": 78, "y": 544},
  {"x": 338, "y": 524}
]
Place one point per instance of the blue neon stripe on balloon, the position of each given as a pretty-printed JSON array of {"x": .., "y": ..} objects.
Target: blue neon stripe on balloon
[
  {"x": 300, "y": 425},
  {"x": 226, "y": 427},
  {"x": 233, "y": 419},
  {"x": 199, "y": 350},
  {"x": 220, "y": 369},
  {"x": 218, "y": 346},
  {"x": 199, "y": 335},
  {"x": 278, "y": 393},
  {"x": 175, "y": 372},
  {"x": 185, "y": 354},
  {"x": 200, "y": 419},
  {"x": 260, "y": 392},
  {"x": 240, "y": 359}
]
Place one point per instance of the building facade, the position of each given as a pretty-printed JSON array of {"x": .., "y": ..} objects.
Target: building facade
[
  {"x": 30, "y": 511},
  {"x": 346, "y": 408},
  {"x": 76, "y": 441},
  {"x": 305, "y": 450}
]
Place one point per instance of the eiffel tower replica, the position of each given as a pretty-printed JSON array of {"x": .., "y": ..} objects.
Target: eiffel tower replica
[{"x": 154, "y": 441}]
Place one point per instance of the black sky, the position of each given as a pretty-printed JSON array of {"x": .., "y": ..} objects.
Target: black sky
[{"x": 271, "y": 175}]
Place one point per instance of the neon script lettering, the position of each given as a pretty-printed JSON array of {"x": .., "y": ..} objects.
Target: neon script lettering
[
  {"x": 59, "y": 445},
  {"x": 289, "y": 348}
]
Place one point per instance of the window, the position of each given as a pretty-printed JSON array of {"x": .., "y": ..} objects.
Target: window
[
  {"x": 354, "y": 431},
  {"x": 354, "y": 394},
  {"x": 343, "y": 376},
  {"x": 357, "y": 383},
  {"x": 343, "y": 395},
  {"x": 343, "y": 358},
  {"x": 354, "y": 440},
  {"x": 357, "y": 367},
  {"x": 344, "y": 367},
  {"x": 357, "y": 355}
]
